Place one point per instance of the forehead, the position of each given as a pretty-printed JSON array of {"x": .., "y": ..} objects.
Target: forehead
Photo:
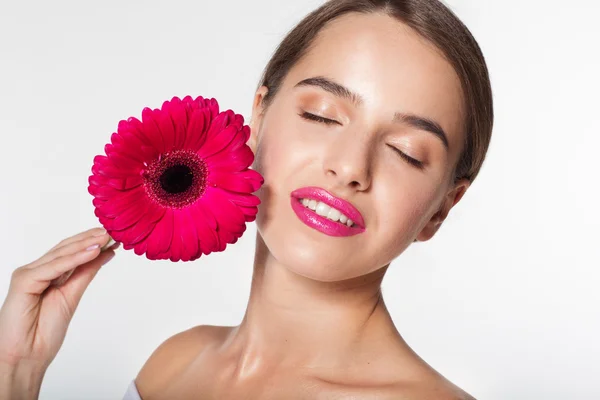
[{"x": 390, "y": 65}]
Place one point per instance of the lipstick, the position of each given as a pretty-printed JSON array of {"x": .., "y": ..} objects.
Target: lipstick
[{"x": 321, "y": 223}]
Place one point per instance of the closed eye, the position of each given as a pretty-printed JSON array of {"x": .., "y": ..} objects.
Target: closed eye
[
  {"x": 317, "y": 118},
  {"x": 418, "y": 164},
  {"x": 312, "y": 117}
]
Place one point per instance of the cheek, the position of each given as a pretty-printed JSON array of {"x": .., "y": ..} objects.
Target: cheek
[
  {"x": 274, "y": 160},
  {"x": 271, "y": 158},
  {"x": 404, "y": 207},
  {"x": 283, "y": 152}
]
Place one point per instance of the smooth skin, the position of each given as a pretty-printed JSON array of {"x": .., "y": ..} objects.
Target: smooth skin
[
  {"x": 37, "y": 311},
  {"x": 316, "y": 325}
]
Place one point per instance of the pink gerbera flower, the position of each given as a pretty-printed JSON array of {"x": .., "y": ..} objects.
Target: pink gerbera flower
[{"x": 176, "y": 185}]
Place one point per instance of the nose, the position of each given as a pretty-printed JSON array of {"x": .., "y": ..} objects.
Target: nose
[{"x": 348, "y": 163}]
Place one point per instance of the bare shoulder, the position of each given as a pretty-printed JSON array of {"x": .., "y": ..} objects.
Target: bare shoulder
[
  {"x": 443, "y": 392},
  {"x": 420, "y": 381},
  {"x": 435, "y": 388},
  {"x": 426, "y": 383},
  {"x": 174, "y": 355}
]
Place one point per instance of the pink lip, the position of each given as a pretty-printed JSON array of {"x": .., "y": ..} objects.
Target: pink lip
[{"x": 322, "y": 224}]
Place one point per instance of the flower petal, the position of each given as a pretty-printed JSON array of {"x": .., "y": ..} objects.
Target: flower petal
[
  {"x": 106, "y": 222},
  {"x": 196, "y": 130},
  {"x": 98, "y": 202},
  {"x": 246, "y": 132},
  {"x": 123, "y": 162},
  {"x": 227, "y": 214},
  {"x": 142, "y": 228},
  {"x": 210, "y": 105},
  {"x": 254, "y": 177},
  {"x": 119, "y": 201},
  {"x": 151, "y": 130},
  {"x": 136, "y": 127},
  {"x": 206, "y": 215},
  {"x": 165, "y": 125},
  {"x": 180, "y": 122},
  {"x": 103, "y": 166},
  {"x": 130, "y": 216},
  {"x": 160, "y": 239},
  {"x": 223, "y": 129},
  {"x": 219, "y": 141},
  {"x": 247, "y": 181},
  {"x": 215, "y": 124},
  {"x": 189, "y": 236},
  {"x": 207, "y": 235},
  {"x": 141, "y": 248},
  {"x": 242, "y": 199},
  {"x": 249, "y": 213},
  {"x": 232, "y": 182},
  {"x": 133, "y": 145},
  {"x": 121, "y": 145},
  {"x": 233, "y": 161},
  {"x": 176, "y": 248},
  {"x": 117, "y": 183},
  {"x": 107, "y": 192}
]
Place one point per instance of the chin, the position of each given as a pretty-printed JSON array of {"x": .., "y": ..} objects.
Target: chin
[
  {"x": 304, "y": 250},
  {"x": 310, "y": 254}
]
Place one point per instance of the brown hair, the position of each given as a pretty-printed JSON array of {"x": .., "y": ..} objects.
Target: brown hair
[{"x": 433, "y": 21}]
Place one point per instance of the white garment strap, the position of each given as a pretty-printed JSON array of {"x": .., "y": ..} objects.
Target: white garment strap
[{"x": 132, "y": 392}]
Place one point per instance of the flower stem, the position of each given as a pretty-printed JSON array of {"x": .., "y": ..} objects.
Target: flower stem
[{"x": 111, "y": 241}]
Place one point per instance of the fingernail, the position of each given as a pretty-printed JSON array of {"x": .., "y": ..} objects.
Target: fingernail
[
  {"x": 100, "y": 233},
  {"x": 92, "y": 247}
]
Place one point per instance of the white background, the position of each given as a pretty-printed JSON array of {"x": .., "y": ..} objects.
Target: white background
[{"x": 503, "y": 302}]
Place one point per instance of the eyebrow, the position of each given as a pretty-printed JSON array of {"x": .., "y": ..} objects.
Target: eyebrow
[
  {"x": 424, "y": 124},
  {"x": 415, "y": 121}
]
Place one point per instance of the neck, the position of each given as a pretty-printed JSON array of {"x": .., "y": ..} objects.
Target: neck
[{"x": 293, "y": 321}]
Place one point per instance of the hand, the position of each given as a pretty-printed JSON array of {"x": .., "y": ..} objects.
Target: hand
[{"x": 42, "y": 298}]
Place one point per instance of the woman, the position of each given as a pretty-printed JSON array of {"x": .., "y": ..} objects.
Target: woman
[{"x": 371, "y": 121}]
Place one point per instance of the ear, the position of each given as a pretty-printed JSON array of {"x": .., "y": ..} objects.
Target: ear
[
  {"x": 257, "y": 115},
  {"x": 450, "y": 200}
]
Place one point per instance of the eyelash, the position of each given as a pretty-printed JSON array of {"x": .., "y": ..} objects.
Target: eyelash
[
  {"x": 410, "y": 160},
  {"x": 316, "y": 118}
]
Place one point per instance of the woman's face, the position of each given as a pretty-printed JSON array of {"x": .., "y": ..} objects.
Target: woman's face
[{"x": 403, "y": 89}]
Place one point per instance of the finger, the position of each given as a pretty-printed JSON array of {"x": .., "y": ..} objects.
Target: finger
[
  {"x": 111, "y": 245},
  {"x": 75, "y": 238},
  {"x": 111, "y": 242},
  {"x": 62, "y": 279},
  {"x": 36, "y": 280},
  {"x": 70, "y": 248},
  {"x": 79, "y": 281}
]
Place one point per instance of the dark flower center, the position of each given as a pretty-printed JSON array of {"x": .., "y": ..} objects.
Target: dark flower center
[{"x": 176, "y": 179}]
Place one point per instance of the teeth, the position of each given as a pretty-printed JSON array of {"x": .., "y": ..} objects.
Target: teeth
[
  {"x": 334, "y": 214},
  {"x": 324, "y": 210}
]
